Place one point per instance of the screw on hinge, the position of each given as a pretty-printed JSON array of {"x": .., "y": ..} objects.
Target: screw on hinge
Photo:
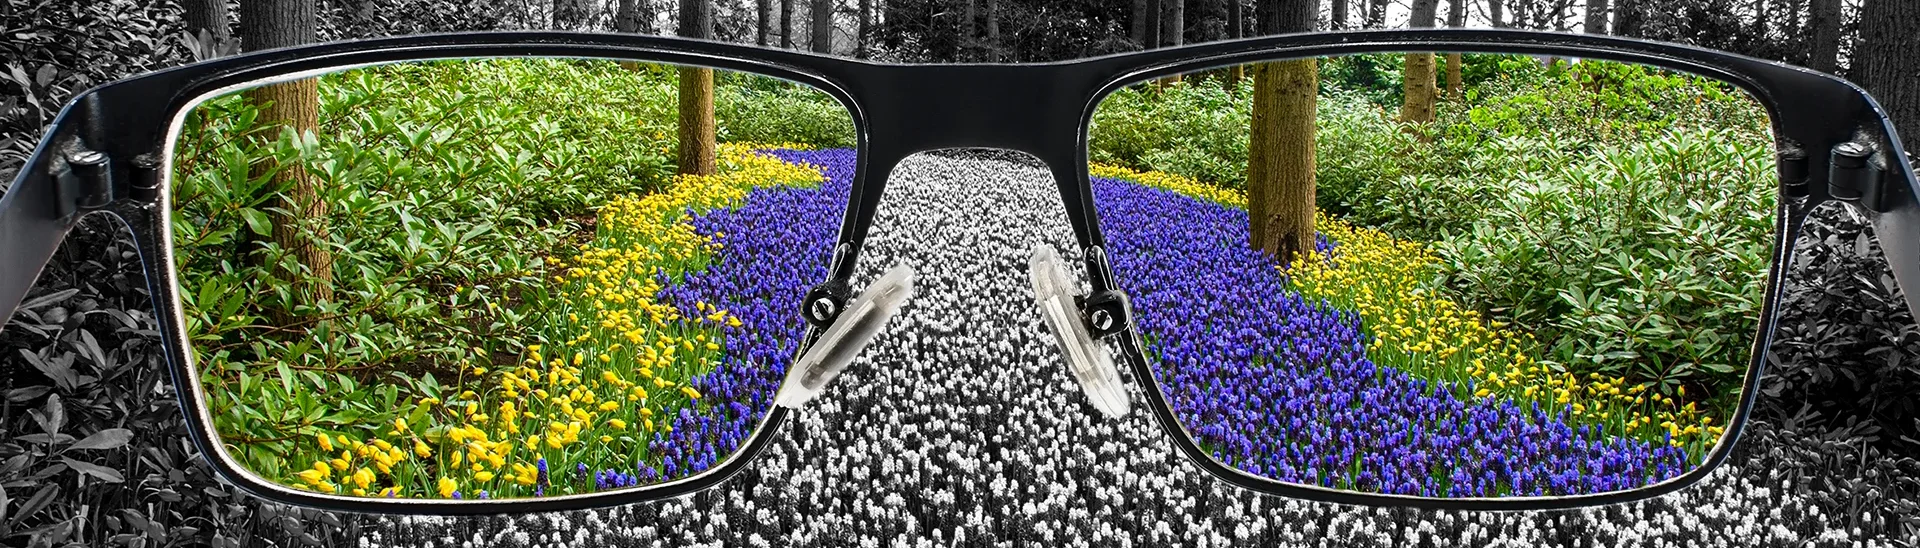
[
  {"x": 822, "y": 308},
  {"x": 146, "y": 177},
  {"x": 83, "y": 181},
  {"x": 1854, "y": 176},
  {"x": 1794, "y": 172}
]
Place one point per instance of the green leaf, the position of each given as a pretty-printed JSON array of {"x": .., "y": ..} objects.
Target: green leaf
[
  {"x": 286, "y": 377},
  {"x": 257, "y": 221}
]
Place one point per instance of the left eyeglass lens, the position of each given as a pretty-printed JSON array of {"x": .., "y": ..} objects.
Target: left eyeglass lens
[{"x": 500, "y": 278}]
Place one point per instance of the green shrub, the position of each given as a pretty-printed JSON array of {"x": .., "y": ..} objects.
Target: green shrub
[
  {"x": 765, "y": 110},
  {"x": 1644, "y": 261}
]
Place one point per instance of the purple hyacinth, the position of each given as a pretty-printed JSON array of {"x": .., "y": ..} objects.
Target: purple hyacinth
[{"x": 1279, "y": 385}]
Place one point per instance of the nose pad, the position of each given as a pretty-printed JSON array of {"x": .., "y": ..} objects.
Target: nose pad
[
  {"x": 846, "y": 337},
  {"x": 1054, "y": 290}
]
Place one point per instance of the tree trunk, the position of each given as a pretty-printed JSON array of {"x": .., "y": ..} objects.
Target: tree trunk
[
  {"x": 1419, "y": 71},
  {"x": 1339, "y": 16},
  {"x": 696, "y": 133},
  {"x": 1236, "y": 16},
  {"x": 1888, "y": 60},
  {"x": 763, "y": 12},
  {"x": 1596, "y": 17},
  {"x": 1173, "y": 31},
  {"x": 1497, "y": 13},
  {"x": 626, "y": 18},
  {"x": 268, "y": 24},
  {"x": 1376, "y": 14},
  {"x": 993, "y": 31},
  {"x": 822, "y": 32},
  {"x": 1153, "y": 24},
  {"x": 1456, "y": 18},
  {"x": 1824, "y": 54},
  {"x": 969, "y": 39},
  {"x": 866, "y": 21},
  {"x": 209, "y": 16},
  {"x": 786, "y": 24},
  {"x": 1280, "y": 159},
  {"x": 1138, "y": 31}
]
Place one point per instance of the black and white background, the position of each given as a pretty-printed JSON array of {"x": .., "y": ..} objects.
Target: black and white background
[{"x": 958, "y": 427}]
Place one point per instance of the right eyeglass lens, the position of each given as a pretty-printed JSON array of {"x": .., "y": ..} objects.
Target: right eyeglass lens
[{"x": 1443, "y": 275}]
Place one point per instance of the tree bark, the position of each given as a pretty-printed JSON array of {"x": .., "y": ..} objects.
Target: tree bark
[
  {"x": 822, "y": 32},
  {"x": 1497, "y": 13},
  {"x": 1887, "y": 64},
  {"x": 1597, "y": 13},
  {"x": 1153, "y": 24},
  {"x": 626, "y": 18},
  {"x": 1456, "y": 18},
  {"x": 209, "y": 16},
  {"x": 969, "y": 39},
  {"x": 786, "y": 24},
  {"x": 1339, "y": 15},
  {"x": 1419, "y": 71},
  {"x": 993, "y": 31},
  {"x": 1173, "y": 31},
  {"x": 1824, "y": 52},
  {"x": 1138, "y": 31},
  {"x": 763, "y": 13},
  {"x": 696, "y": 131},
  {"x": 269, "y": 24},
  {"x": 1280, "y": 159},
  {"x": 1236, "y": 16},
  {"x": 866, "y": 21},
  {"x": 1376, "y": 14}
]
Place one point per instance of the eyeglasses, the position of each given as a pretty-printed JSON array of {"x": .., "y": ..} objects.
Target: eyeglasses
[{"x": 471, "y": 273}]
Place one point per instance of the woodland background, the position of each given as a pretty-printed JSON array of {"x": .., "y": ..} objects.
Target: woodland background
[{"x": 81, "y": 361}]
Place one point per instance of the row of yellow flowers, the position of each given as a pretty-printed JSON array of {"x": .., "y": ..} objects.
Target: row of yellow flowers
[
  {"x": 1420, "y": 330},
  {"x": 612, "y": 366}
]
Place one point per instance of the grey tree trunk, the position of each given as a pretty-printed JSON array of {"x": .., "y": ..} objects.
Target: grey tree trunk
[
  {"x": 300, "y": 231},
  {"x": 1153, "y": 24},
  {"x": 822, "y": 32},
  {"x": 993, "y": 31},
  {"x": 1597, "y": 13},
  {"x": 969, "y": 40},
  {"x": 1339, "y": 16},
  {"x": 763, "y": 12},
  {"x": 1497, "y": 13},
  {"x": 1889, "y": 59},
  {"x": 1236, "y": 17},
  {"x": 786, "y": 24},
  {"x": 1173, "y": 28},
  {"x": 209, "y": 16},
  {"x": 1824, "y": 52},
  {"x": 866, "y": 21},
  {"x": 1138, "y": 30},
  {"x": 1376, "y": 14}
]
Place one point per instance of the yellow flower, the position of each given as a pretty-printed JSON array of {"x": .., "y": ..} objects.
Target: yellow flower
[
  {"x": 525, "y": 474},
  {"x": 447, "y": 487},
  {"x": 617, "y": 424},
  {"x": 363, "y": 477},
  {"x": 325, "y": 444},
  {"x": 483, "y": 476},
  {"x": 690, "y": 392},
  {"x": 420, "y": 448}
]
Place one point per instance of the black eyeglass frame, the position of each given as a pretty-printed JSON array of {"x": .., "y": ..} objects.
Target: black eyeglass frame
[{"x": 108, "y": 150}]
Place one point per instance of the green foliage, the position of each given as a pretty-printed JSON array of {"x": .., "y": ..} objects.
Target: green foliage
[
  {"x": 766, "y": 110},
  {"x": 1644, "y": 261},
  {"x": 1533, "y": 149}
]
